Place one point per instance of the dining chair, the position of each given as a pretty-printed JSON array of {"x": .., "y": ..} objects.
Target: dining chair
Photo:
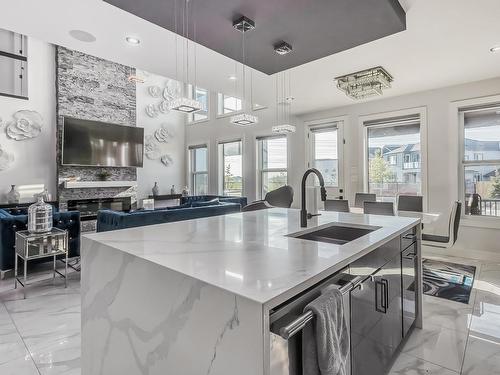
[
  {"x": 378, "y": 208},
  {"x": 450, "y": 239},
  {"x": 410, "y": 203},
  {"x": 338, "y": 205},
  {"x": 281, "y": 197},
  {"x": 360, "y": 198},
  {"x": 256, "y": 206}
]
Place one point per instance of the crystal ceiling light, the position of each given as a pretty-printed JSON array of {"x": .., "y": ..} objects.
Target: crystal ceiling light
[
  {"x": 184, "y": 104},
  {"x": 282, "y": 48},
  {"x": 244, "y": 119},
  {"x": 243, "y": 25},
  {"x": 365, "y": 83},
  {"x": 284, "y": 129}
]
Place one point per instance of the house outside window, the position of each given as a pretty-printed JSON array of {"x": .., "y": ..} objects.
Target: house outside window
[
  {"x": 393, "y": 156},
  {"x": 198, "y": 169},
  {"x": 230, "y": 168},
  {"x": 227, "y": 104},
  {"x": 480, "y": 160},
  {"x": 201, "y": 95},
  {"x": 272, "y": 163}
]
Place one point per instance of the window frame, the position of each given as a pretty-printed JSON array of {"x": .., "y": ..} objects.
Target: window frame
[
  {"x": 260, "y": 170},
  {"x": 191, "y": 94},
  {"x": 192, "y": 162},
  {"x": 220, "y": 164},
  {"x": 459, "y": 109},
  {"x": 221, "y": 95},
  {"x": 418, "y": 111}
]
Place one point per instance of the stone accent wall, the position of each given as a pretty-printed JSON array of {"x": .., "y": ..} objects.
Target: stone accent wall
[{"x": 92, "y": 88}]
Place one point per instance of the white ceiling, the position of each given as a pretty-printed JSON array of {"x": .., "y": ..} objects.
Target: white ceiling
[{"x": 446, "y": 43}]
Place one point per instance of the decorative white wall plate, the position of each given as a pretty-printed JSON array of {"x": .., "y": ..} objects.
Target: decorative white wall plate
[
  {"x": 152, "y": 110},
  {"x": 154, "y": 91},
  {"x": 163, "y": 135},
  {"x": 26, "y": 125},
  {"x": 151, "y": 148},
  {"x": 167, "y": 160},
  {"x": 6, "y": 159}
]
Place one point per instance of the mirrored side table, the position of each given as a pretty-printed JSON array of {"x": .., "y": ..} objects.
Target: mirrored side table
[{"x": 30, "y": 246}]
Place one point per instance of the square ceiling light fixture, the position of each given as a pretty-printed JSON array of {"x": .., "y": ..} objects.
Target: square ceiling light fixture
[
  {"x": 243, "y": 24},
  {"x": 282, "y": 48},
  {"x": 244, "y": 119},
  {"x": 185, "y": 105},
  {"x": 366, "y": 83}
]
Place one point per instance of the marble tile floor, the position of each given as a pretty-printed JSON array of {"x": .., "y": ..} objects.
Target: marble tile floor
[{"x": 41, "y": 334}]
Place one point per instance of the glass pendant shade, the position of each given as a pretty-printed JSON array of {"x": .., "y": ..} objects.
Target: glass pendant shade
[
  {"x": 185, "y": 105},
  {"x": 244, "y": 119}
]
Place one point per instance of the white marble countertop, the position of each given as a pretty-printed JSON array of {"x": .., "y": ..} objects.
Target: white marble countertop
[{"x": 249, "y": 254}]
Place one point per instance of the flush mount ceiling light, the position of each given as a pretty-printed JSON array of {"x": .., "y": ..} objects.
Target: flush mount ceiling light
[
  {"x": 133, "y": 40},
  {"x": 232, "y": 78},
  {"x": 243, "y": 25},
  {"x": 282, "y": 48},
  {"x": 495, "y": 49},
  {"x": 284, "y": 129},
  {"x": 365, "y": 83},
  {"x": 244, "y": 119},
  {"x": 185, "y": 105},
  {"x": 82, "y": 36}
]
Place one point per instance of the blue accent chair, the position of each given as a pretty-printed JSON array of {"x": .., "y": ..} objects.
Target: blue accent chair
[{"x": 15, "y": 219}]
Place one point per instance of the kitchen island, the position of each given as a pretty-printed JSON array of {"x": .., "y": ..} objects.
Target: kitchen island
[{"x": 195, "y": 297}]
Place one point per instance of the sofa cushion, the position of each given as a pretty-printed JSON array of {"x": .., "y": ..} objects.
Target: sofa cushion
[
  {"x": 185, "y": 205},
  {"x": 213, "y": 202}
]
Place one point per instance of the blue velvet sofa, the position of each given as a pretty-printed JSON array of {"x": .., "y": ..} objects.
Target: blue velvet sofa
[
  {"x": 242, "y": 201},
  {"x": 15, "y": 219},
  {"x": 108, "y": 220}
]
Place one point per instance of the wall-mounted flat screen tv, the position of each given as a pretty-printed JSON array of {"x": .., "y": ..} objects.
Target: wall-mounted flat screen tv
[{"x": 101, "y": 144}]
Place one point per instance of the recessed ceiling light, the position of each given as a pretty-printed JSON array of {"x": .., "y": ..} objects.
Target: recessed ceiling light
[
  {"x": 232, "y": 78},
  {"x": 82, "y": 36},
  {"x": 495, "y": 49},
  {"x": 132, "y": 40}
]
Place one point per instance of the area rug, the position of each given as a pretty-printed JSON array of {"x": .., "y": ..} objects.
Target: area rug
[{"x": 448, "y": 280}]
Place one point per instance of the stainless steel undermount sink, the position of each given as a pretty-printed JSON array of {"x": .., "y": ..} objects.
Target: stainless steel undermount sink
[{"x": 337, "y": 233}]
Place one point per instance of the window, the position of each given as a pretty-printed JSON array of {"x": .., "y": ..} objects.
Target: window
[
  {"x": 325, "y": 153},
  {"x": 481, "y": 161},
  {"x": 198, "y": 161},
  {"x": 390, "y": 140},
  {"x": 230, "y": 169},
  {"x": 13, "y": 64},
  {"x": 202, "y": 96},
  {"x": 227, "y": 104},
  {"x": 272, "y": 163}
]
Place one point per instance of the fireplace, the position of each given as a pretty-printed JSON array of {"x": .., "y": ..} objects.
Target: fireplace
[{"x": 88, "y": 207}]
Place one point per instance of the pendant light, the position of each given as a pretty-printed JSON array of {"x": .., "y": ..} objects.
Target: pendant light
[
  {"x": 284, "y": 101},
  {"x": 185, "y": 104},
  {"x": 244, "y": 25}
]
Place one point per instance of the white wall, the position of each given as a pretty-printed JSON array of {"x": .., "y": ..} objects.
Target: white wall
[
  {"x": 153, "y": 170},
  {"x": 442, "y": 154},
  {"x": 35, "y": 158}
]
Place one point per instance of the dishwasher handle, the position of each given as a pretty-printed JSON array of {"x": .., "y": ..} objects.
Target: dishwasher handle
[{"x": 299, "y": 323}]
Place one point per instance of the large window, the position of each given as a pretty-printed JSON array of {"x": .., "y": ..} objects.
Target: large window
[
  {"x": 230, "y": 168},
  {"x": 394, "y": 157},
  {"x": 227, "y": 104},
  {"x": 272, "y": 163},
  {"x": 202, "y": 96},
  {"x": 325, "y": 153},
  {"x": 198, "y": 162},
  {"x": 481, "y": 161}
]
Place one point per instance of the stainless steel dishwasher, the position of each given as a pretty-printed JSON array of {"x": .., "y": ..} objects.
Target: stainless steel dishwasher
[{"x": 288, "y": 320}]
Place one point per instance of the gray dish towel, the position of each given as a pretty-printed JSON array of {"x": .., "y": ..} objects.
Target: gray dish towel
[{"x": 325, "y": 340}]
